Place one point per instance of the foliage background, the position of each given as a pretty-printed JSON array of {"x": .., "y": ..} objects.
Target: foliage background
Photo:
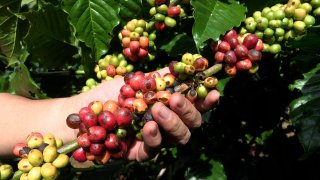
[{"x": 46, "y": 43}]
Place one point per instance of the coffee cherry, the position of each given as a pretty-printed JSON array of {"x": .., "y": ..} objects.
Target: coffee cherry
[
  {"x": 241, "y": 51},
  {"x": 97, "y": 148},
  {"x": 275, "y": 48},
  {"x": 230, "y": 35},
  {"x": 97, "y": 134},
  {"x": 210, "y": 82},
  {"x": 160, "y": 83},
  {"x": 244, "y": 64},
  {"x": 250, "y": 41},
  {"x": 150, "y": 97},
  {"x": 202, "y": 91},
  {"x": 136, "y": 80},
  {"x": 163, "y": 96},
  {"x": 61, "y": 161},
  {"x": 112, "y": 142},
  {"x": 163, "y": 8},
  {"x": 299, "y": 26},
  {"x": 140, "y": 106},
  {"x": 299, "y": 14},
  {"x": 123, "y": 117},
  {"x": 230, "y": 70},
  {"x": 17, "y": 148},
  {"x": 50, "y": 154},
  {"x": 90, "y": 119},
  {"x": 148, "y": 84},
  {"x": 233, "y": 42},
  {"x": 219, "y": 57},
  {"x": 35, "y": 157},
  {"x": 254, "y": 55},
  {"x": 34, "y": 140},
  {"x": 309, "y": 20},
  {"x": 127, "y": 91},
  {"x": 24, "y": 165},
  {"x": 170, "y": 22},
  {"x": 173, "y": 11},
  {"x": 6, "y": 171},
  {"x": 200, "y": 64},
  {"x": 230, "y": 57},
  {"x": 224, "y": 47},
  {"x": 84, "y": 141}
]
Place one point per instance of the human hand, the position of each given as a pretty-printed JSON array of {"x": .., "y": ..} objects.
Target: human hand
[{"x": 176, "y": 121}]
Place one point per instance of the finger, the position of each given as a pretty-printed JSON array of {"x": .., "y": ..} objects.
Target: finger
[
  {"x": 210, "y": 100},
  {"x": 148, "y": 148},
  {"x": 170, "y": 123},
  {"x": 185, "y": 110}
]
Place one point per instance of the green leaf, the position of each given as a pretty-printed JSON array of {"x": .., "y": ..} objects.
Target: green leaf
[
  {"x": 222, "y": 83},
  {"x": 10, "y": 34},
  {"x": 211, "y": 169},
  {"x": 49, "y": 38},
  {"x": 94, "y": 21},
  {"x": 178, "y": 44},
  {"x": 214, "y": 18},
  {"x": 309, "y": 41},
  {"x": 22, "y": 84},
  {"x": 130, "y": 9},
  {"x": 305, "y": 111}
]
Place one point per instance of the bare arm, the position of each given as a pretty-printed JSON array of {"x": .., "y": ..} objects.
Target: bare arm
[{"x": 21, "y": 116}]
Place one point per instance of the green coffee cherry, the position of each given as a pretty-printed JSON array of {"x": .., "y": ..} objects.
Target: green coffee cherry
[
  {"x": 159, "y": 17},
  {"x": 299, "y": 27},
  {"x": 279, "y": 14},
  {"x": 316, "y": 12},
  {"x": 268, "y": 32},
  {"x": 307, "y": 7},
  {"x": 279, "y": 32},
  {"x": 309, "y": 20},
  {"x": 202, "y": 91},
  {"x": 262, "y": 23},
  {"x": 170, "y": 22},
  {"x": 256, "y": 15},
  {"x": 275, "y": 48}
]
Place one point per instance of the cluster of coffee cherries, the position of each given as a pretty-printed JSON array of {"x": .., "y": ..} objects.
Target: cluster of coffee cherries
[
  {"x": 165, "y": 16},
  {"x": 102, "y": 131},
  {"x": 110, "y": 67},
  {"x": 190, "y": 72},
  {"x": 40, "y": 158},
  {"x": 137, "y": 39},
  {"x": 238, "y": 52},
  {"x": 6, "y": 171},
  {"x": 278, "y": 23}
]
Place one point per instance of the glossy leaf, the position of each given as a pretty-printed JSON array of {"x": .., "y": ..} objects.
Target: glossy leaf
[
  {"x": 21, "y": 83},
  {"x": 178, "y": 44},
  {"x": 9, "y": 32},
  {"x": 222, "y": 83},
  {"x": 49, "y": 38},
  {"x": 94, "y": 21},
  {"x": 131, "y": 9},
  {"x": 214, "y": 18},
  {"x": 305, "y": 111},
  {"x": 208, "y": 169},
  {"x": 309, "y": 41}
]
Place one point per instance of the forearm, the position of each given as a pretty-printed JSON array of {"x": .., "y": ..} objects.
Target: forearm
[{"x": 21, "y": 116}]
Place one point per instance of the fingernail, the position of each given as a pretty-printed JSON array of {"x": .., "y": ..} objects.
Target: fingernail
[
  {"x": 164, "y": 112},
  {"x": 181, "y": 102},
  {"x": 154, "y": 132}
]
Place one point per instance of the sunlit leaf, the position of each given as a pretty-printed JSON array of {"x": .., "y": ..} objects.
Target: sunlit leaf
[
  {"x": 214, "y": 18},
  {"x": 94, "y": 21}
]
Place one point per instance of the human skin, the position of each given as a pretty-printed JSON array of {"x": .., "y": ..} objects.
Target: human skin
[{"x": 20, "y": 116}]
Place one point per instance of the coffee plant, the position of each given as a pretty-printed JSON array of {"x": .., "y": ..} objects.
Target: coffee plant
[{"x": 263, "y": 58}]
